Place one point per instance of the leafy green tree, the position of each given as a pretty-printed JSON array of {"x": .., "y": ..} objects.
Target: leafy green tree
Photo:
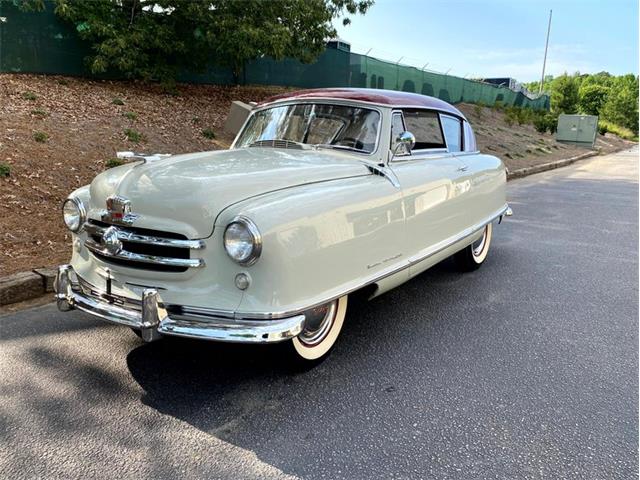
[
  {"x": 564, "y": 94},
  {"x": 156, "y": 39},
  {"x": 592, "y": 97},
  {"x": 621, "y": 107}
]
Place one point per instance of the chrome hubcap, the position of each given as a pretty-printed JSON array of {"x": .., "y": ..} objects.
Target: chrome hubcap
[
  {"x": 478, "y": 246},
  {"x": 318, "y": 323}
]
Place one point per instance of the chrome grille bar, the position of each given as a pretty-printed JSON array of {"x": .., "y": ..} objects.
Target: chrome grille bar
[
  {"x": 140, "y": 257},
  {"x": 128, "y": 236}
]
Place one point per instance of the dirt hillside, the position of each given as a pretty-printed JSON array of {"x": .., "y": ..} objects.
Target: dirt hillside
[{"x": 57, "y": 133}]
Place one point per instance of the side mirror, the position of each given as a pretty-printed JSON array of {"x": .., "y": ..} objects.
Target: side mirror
[{"x": 406, "y": 141}]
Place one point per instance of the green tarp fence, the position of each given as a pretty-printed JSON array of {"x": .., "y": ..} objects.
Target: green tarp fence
[{"x": 39, "y": 42}]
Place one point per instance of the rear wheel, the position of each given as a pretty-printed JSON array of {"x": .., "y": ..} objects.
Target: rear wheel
[
  {"x": 322, "y": 327},
  {"x": 473, "y": 256}
]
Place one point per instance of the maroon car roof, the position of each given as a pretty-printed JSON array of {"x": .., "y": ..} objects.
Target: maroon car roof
[{"x": 391, "y": 98}]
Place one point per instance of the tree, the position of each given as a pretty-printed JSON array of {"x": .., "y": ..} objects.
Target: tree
[
  {"x": 592, "y": 97},
  {"x": 621, "y": 106},
  {"x": 155, "y": 39},
  {"x": 564, "y": 94}
]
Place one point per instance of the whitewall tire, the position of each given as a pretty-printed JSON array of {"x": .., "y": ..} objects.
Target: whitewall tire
[
  {"x": 473, "y": 256},
  {"x": 322, "y": 328}
]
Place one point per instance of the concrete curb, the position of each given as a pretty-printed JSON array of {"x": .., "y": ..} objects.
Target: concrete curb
[
  {"x": 26, "y": 285},
  {"x": 32, "y": 284},
  {"x": 523, "y": 172}
]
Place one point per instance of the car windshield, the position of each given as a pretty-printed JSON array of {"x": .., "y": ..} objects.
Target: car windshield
[{"x": 316, "y": 124}]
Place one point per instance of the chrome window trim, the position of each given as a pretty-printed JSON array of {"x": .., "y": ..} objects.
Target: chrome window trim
[
  {"x": 461, "y": 122},
  {"x": 324, "y": 101},
  {"x": 149, "y": 240},
  {"x": 95, "y": 247}
]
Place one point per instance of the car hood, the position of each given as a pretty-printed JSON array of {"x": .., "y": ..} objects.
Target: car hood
[{"x": 185, "y": 193}]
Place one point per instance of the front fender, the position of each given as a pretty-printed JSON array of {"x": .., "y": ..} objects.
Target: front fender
[{"x": 320, "y": 241}]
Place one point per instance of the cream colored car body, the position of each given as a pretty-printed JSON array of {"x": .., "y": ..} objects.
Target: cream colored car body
[{"x": 331, "y": 221}]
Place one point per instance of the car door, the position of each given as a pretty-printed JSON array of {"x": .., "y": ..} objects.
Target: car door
[{"x": 428, "y": 177}]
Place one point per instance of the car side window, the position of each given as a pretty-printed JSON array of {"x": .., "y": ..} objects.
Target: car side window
[
  {"x": 425, "y": 126},
  {"x": 453, "y": 132},
  {"x": 470, "y": 144},
  {"x": 397, "y": 126}
]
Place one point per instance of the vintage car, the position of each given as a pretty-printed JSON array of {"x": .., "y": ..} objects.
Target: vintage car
[{"x": 323, "y": 193}]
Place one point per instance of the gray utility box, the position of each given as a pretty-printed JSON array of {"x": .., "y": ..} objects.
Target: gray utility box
[
  {"x": 577, "y": 129},
  {"x": 238, "y": 113}
]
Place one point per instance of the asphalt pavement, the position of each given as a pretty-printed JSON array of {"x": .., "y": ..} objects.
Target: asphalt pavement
[{"x": 526, "y": 368}]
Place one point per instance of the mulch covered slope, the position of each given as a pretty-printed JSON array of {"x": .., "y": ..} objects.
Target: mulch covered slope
[{"x": 84, "y": 123}]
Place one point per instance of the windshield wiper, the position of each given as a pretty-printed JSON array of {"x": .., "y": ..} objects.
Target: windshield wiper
[{"x": 339, "y": 147}]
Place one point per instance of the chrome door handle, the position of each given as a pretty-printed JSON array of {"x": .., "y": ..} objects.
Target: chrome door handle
[{"x": 463, "y": 169}]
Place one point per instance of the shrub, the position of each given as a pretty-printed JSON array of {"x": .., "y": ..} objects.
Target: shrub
[
  {"x": 40, "y": 137},
  {"x": 130, "y": 115},
  {"x": 29, "y": 96},
  {"x": 510, "y": 116},
  {"x": 114, "y": 162},
  {"x": 498, "y": 105},
  {"x": 552, "y": 123},
  {"x": 63, "y": 81},
  {"x": 540, "y": 123},
  {"x": 621, "y": 132},
  {"x": 602, "y": 128},
  {"x": 208, "y": 133},
  {"x": 133, "y": 135},
  {"x": 38, "y": 112},
  {"x": 5, "y": 170},
  {"x": 117, "y": 101},
  {"x": 478, "y": 108}
]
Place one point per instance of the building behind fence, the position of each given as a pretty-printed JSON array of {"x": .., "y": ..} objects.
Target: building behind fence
[{"x": 39, "y": 42}]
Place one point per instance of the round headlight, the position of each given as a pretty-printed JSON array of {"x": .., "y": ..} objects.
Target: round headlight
[
  {"x": 74, "y": 214},
  {"x": 242, "y": 241}
]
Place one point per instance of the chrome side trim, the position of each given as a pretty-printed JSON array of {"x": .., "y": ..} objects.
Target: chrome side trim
[
  {"x": 149, "y": 240},
  {"x": 139, "y": 257}
]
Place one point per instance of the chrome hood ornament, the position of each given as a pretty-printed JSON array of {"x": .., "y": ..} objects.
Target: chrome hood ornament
[{"x": 118, "y": 211}]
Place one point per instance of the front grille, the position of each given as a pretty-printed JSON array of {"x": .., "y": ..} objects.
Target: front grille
[{"x": 142, "y": 248}]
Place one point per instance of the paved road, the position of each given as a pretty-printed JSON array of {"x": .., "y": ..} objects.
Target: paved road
[{"x": 527, "y": 368}]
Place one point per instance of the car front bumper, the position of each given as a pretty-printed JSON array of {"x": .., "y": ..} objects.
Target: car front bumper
[{"x": 154, "y": 320}]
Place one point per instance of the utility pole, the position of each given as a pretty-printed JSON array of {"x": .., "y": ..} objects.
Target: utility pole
[{"x": 546, "y": 47}]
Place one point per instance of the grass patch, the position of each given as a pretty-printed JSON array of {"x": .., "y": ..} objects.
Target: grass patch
[
  {"x": 130, "y": 115},
  {"x": 622, "y": 132},
  {"x": 133, "y": 135},
  {"x": 114, "y": 162},
  {"x": 5, "y": 170},
  {"x": 117, "y": 101},
  {"x": 29, "y": 96},
  {"x": 63, "y": 81},
  {"x": 208, "y": 133},
  {"x": 195, "y": 119},
  {"x": 40, "y": 137},
  {"x": 38, "y": 112}
]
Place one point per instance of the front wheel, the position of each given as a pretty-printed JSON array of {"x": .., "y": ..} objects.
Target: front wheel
[
  {"x": 322, "y": 327},
  {"x": 473, "y": 256}
]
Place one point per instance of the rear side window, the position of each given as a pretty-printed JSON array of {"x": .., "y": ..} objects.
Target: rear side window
[
  {"x": 425, "y": 126},
  {"x": 470, "y": 144},
  {"x": 453, "y": 132}
]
